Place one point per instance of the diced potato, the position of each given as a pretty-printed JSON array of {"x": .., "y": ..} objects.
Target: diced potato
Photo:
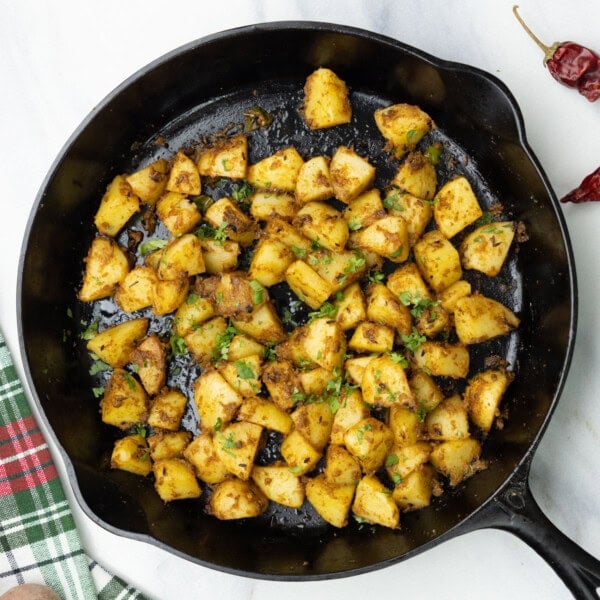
[
  {"x": 387, "y": 237},
  {"x": 201, "y": 454},
  {"x": 374, "y": 504},
  {"x": 220, "y": 257},
  {"x": 282, "y": 383},
  {"x": 314, "y": 422},
  {"x": 402, "y": 460},
  {"x": 265, "y": 413},
  {"x": 369, "y": 441},
  {"x": 438, "y": 260},
  {"x": 355, "y": 368},
  {"x": 236, "y": 295},
  {"x": 269, "y": 205},
  {"x": 351, "y": 309},
  {"x": 449, "y": 296},
  {"x": 106, "y": 265},
  {"x": 169, "y": 294},
  {"x": 278, "y": 172},
  {"x": 179, "y": 214},
  {"x": 442, "y": 359},
  {"x": 478, "y": 318},
  {"x": 352, "y": 410},
  {"x": 192, "y": 313},
  {"x": 417, "y": 176},
  {"x": 330, "y": 500},
  {"x": 350, "y": 173},
  {"x": 279, "y": 484},
  {"x": 299, "y": 454},
  {"x": 115, "y": 344},
  {"x": 149, "y": 183},
  {"x": 262, "y": 324},
  {"x": 341, "y": 468},
  {"x": 323, "y": 224},
  {"x": 407, "y": 281},
  {"x": 117, "y": 206},
  {"x": 167, "y": 410},
  {"x": 175, "y": 480},
  {"x": 168, "y": 444},
  {"x": 287, "y": 234},
  {"x": 242, "y": 346},
  {"x": 202, "y": 340},
  {"x": 385, "y": 308},
  {"x": 243, "y": 375},
  {"x": 364, "y": 210},
  {"x": 236, "y": 446},
  {"x": 314, "y": 381},
  {"x": 434, "y": 320},
  {"x": 150, "y": 357},
  {"x": 484, "y": 394},
  {"x": 270, "y": 262},
  {"x": 338, "y": 268},
  {"x": 457, "y": 459},
  {"x": 131, "y": 454},
  {"x": 240, "y": 227},
  {"x": 485, "y": 249},
  {"x": 184, "y": 177},
  {"x": 181, "y": 258},
  {"x": 425, "y": 390},
  {"x": 216, "y": 401},
  {"x": 326, "y": 101},
  {"x": 384, "y": 383},
  {"x": 324, "y": 343},
  {"x": 135, "y": 291},
  {"x": 405, "y": 425},
  {"x": 416, "y": 212},
  {"x": 227, "y": 158},
  {"x": 403, "y": 125},
  {"x": 448, "y": 421},
  {"x": 307, "y": 284},
  {"x": 125, "y": 402},
  {"x": 152, "y": 259},
  {"x": 455, "y": 207},
  {"x": 314, "y": 181},
  {"x": 372, "y": 337},
  {"x": 237, "y": 499},
  {"x": 415, "y": 490}
]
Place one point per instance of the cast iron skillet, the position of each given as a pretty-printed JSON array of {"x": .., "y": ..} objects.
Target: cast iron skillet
[{"x": 198, "y": 89}]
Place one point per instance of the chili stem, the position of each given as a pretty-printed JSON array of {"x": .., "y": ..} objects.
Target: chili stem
[{"x": 545, "y": 49}]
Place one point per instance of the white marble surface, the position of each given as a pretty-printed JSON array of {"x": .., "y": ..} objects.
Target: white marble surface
[{"x": 58, "y": 59}]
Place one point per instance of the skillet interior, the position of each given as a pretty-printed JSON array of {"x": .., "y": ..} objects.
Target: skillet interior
[{"x": 196, "y": 90}]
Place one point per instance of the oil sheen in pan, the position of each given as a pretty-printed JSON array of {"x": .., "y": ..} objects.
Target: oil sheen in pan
[{"x": 283, "y": 100}]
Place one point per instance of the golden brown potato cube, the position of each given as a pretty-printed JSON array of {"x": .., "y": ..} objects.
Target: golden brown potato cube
[
  {"x": 265, "y": 413},
  {"x": 369, "y": 441},
  {"x": 442, "y": 359},
  {"x": 338, "y": 268},
  {"x": 483, "y": 396},
  {"x": 364, "y": 210},
  {"x": 279, "y": 484},
  {"x": 314, "y": 381},
  {"x": 314, "y": 181},
  {"x": 331, "y": 501},
  {"x": 202, "y": 340},
  {"x": 282, "y": 383},
  {"x": 269, "y": 205},
  {"x": 117, "y": 206},
  {"x": 169, "y": 294},
  {"x": 270, "y": 262},
  {"x": 175, "y": 480},
  {"x": 438, "y": 260},
  {"x": 125, "y": 402},
  {"x": 181, "y": 258},
  {"x": 403, "y": 125},
  {"x": 449, "y": 296},
  {"x": 115, "y": 344},
  {"x": 457, "y": 459},
  {"x": 237, "y": 499},
  {"x": 179, "y": 214},
  {"x": 287, "y": 234},
  {"x": 455, "y": 207},
  {"x": 485, "y": 249},
  {"x": 372, "y": 337},
  {"x": 220, "y": 257},
  {"x": 242, "y": 346},
  {"x": 341, "y": 468},
  {"x": 314, "y": 422},
  {"x": 352, "y": 410},
  {"x": 236, "y": 296},
  {"x": 402, "y": 460},
  {"x": 307, "y": 284},
  {"x": 135, "y": 291},
  {"x": 217, "y": 402},
  {"x": 240, "y": 227},
  {"x": 417, "y": 176},
  {"x": 415, "y": 490},
  {"x": 131, "y": 454},
  {"x": 167, "y": 409},
  {"x": 168, "y": 444},
  {"x": 355, "y": 368},
  {"x": 373, "y": 503},
  {"x": 236, "y": 446},
  {"x": 149, "y": 183},
  {"x": 278, "y": 172},
  {"x": 384, "y": 383},
  {"x": 405, "y": 425},
  {"x": 478, "y": 318},
  {"x": 448, "y": 421},
  {"x": 150, "y": 357},
  {"x": 325, "y": 343},
  {"x": 227, "y": 158},
  {"x": 425, "y": 390},
  {"x": 262, "y": 324},
  {"x": 385, "y": 308},
  {"x": 243, "y": 375},
  {"x": 106, "y": 266},
  {"x": 326, "y": 101},
  {"x": 299, "y": 454},
  {"x": 434, "y": 320},
  {"x": 323, "y": 224},
  {"x": 192, "y": 313},
  {"x": 184, "y": 177},
  {"x": 200, "y": 453},
  {"x": 351, "y": 309},
  {"x": 152, "y": 259},
  {"x": 406, "y": 281},
  {"x": 350, "y": 173},
  {"x": 416, "y": 212},
  {"x": 387, "y": 237}
]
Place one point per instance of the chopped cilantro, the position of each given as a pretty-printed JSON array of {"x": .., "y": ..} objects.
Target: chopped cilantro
[
  {"x": 218, "y": 424},
  {"x": 412, "y": 135},
  {"x": 178, "y": 346},
  {"x": 208, "y": 232},
  {"x": 244, "y": 370},
  {"x": 97, "y": 391},
  {"x": 141, "y": 430},
  {"x": 391, "y": 460},
  {"x": 90, "y": 331},
  {"x": 130, "y": 380},
  {"x": 98, "y": 366},
  {"x": 257, "y": 292},
  {"x": 392, "y": 201},
  {"x": 399, "y": 359},
  {"x": 192, "y": 298},
  {"x": 242, "y": 192},
  {"x": 396, "y": 478},
  {"x": 354, "y": 224},
  {"x": 327, "y": 309},
  {"x": 360, "y": 432},
  {"x": 433, "y": 153},
  {"x": 421, "y": 412},
  {"x": 222, "y": 343},
  {"x": 356, "y": 262},
  {"x": 299, "y": 252},
  {"x": 228, "y": 443},
  {"x": 151, "y": 246},
  {"x": 485, "y": 219},
  {"x": 376, "y": 277},
  {"x": 414, "y": 340}
]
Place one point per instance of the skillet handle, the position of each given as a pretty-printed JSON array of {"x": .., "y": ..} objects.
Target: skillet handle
[{"x": 515, "y": 510}]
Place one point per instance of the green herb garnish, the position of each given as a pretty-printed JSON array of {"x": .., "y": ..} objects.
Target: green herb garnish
[
  {"x": 178, "y": 346},
  {"x": 222, "y": 343},
  {"x": 433, "y": 153},
  {"x": 244, "y": 370},
  {"x": 257, "y": 292},
  {"x": 151, "y": 246},
  {"x": 327, "y": 309},
  {"x": 90, "y": 331},
  {"x": 413, "y": 341},
  {"x": 391, "y": 460}
]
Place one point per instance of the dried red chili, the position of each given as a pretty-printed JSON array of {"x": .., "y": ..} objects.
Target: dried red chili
[
  {"x": 570, "y": 63},
  {"x": 588, "y": 191}
]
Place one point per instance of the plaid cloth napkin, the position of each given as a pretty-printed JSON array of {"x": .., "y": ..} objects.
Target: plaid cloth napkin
[{"x": 38, "y": 539}]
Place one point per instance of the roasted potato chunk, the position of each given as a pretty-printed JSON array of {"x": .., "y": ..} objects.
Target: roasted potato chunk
[
  {"x": 415, "y": 490},
  {"x": 351, "y": 309},
  {"x": 135, "y": 291},
  {"x": 220, "y": 256},
  {"x": 448, "y": 421},
  {"x": 352, "y": 410},
  {"x": 117, "y": 206},
  {"x": 485, "y": 249},
  {"x": 125, "y": 402},
  {"x": 237, "y": 499},
  {"x": 438, "y": 260},
  {"x": 478, "y": 318},
  {"x": 203, "y": 340},
  {"x": 387, "y": 237},
  {"x": 262, "y": 324},
  {"x": 416, "y": 212},
  {"x": 385, "y": 308},
  {"x": 417, "y": 176},
  {"x": 314, "y": 181},
  {"x": 216, "y": 401},
  {"x": 239, "y": 226},
  {"x": 279, "y": 484},
  {"x": 484, "y": 394},
  {"x": 278, "y": 172},
  {"x": 265, "y": 413},
  {"x": 169, "y": 294},
  {"x": 236, "y": 446},
  {"x": 115, "y": 344},
  {"x": 455, "y": 207},
  {"x": 299, "y": 454},
  {"x": 191, "y": 314},
  {"x": 167, "y": 410},
  {"x": 457, "y": 459},
  {"x": 282, "y": 383},
  {"x": 369, "y": 441},
  {"x": 323, "y": 224},
  {"x": 307, "y": 284},
  {"x": 384, "y": 383},
  {"x": 350, "y": 173},
  {"x": 364, "y": 210},
  {"x": 443, "y": 359},
  {"x": 331, "y": 501},
  {"x": 372, "y": 337},
  {"x": 373, "y": 503},
  {"x": 270, "y": 205},
  {"x": 168, "y": 444},
  {"x": 179, "y": 214},
  {"x": 200, "y": 453},
  {"x": 326, "y": 102},
  {"x": 131, "y": 454},
  {"x": 106, "y": 266},
  {"x": 341, "y": 468},
  {"x": 270, "y": 262},
  {"x": 184, "y": 177},
  {"x": 149, "y": 183},
  {"x": 227, "y": 158},
  {"x": 150, "y": 358},
  {"x": 174, "y": 479},
  {"x": 181, "y": 258},
  {"x": 243, "y": 375},
  {"x": 314, "y": 422}
]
